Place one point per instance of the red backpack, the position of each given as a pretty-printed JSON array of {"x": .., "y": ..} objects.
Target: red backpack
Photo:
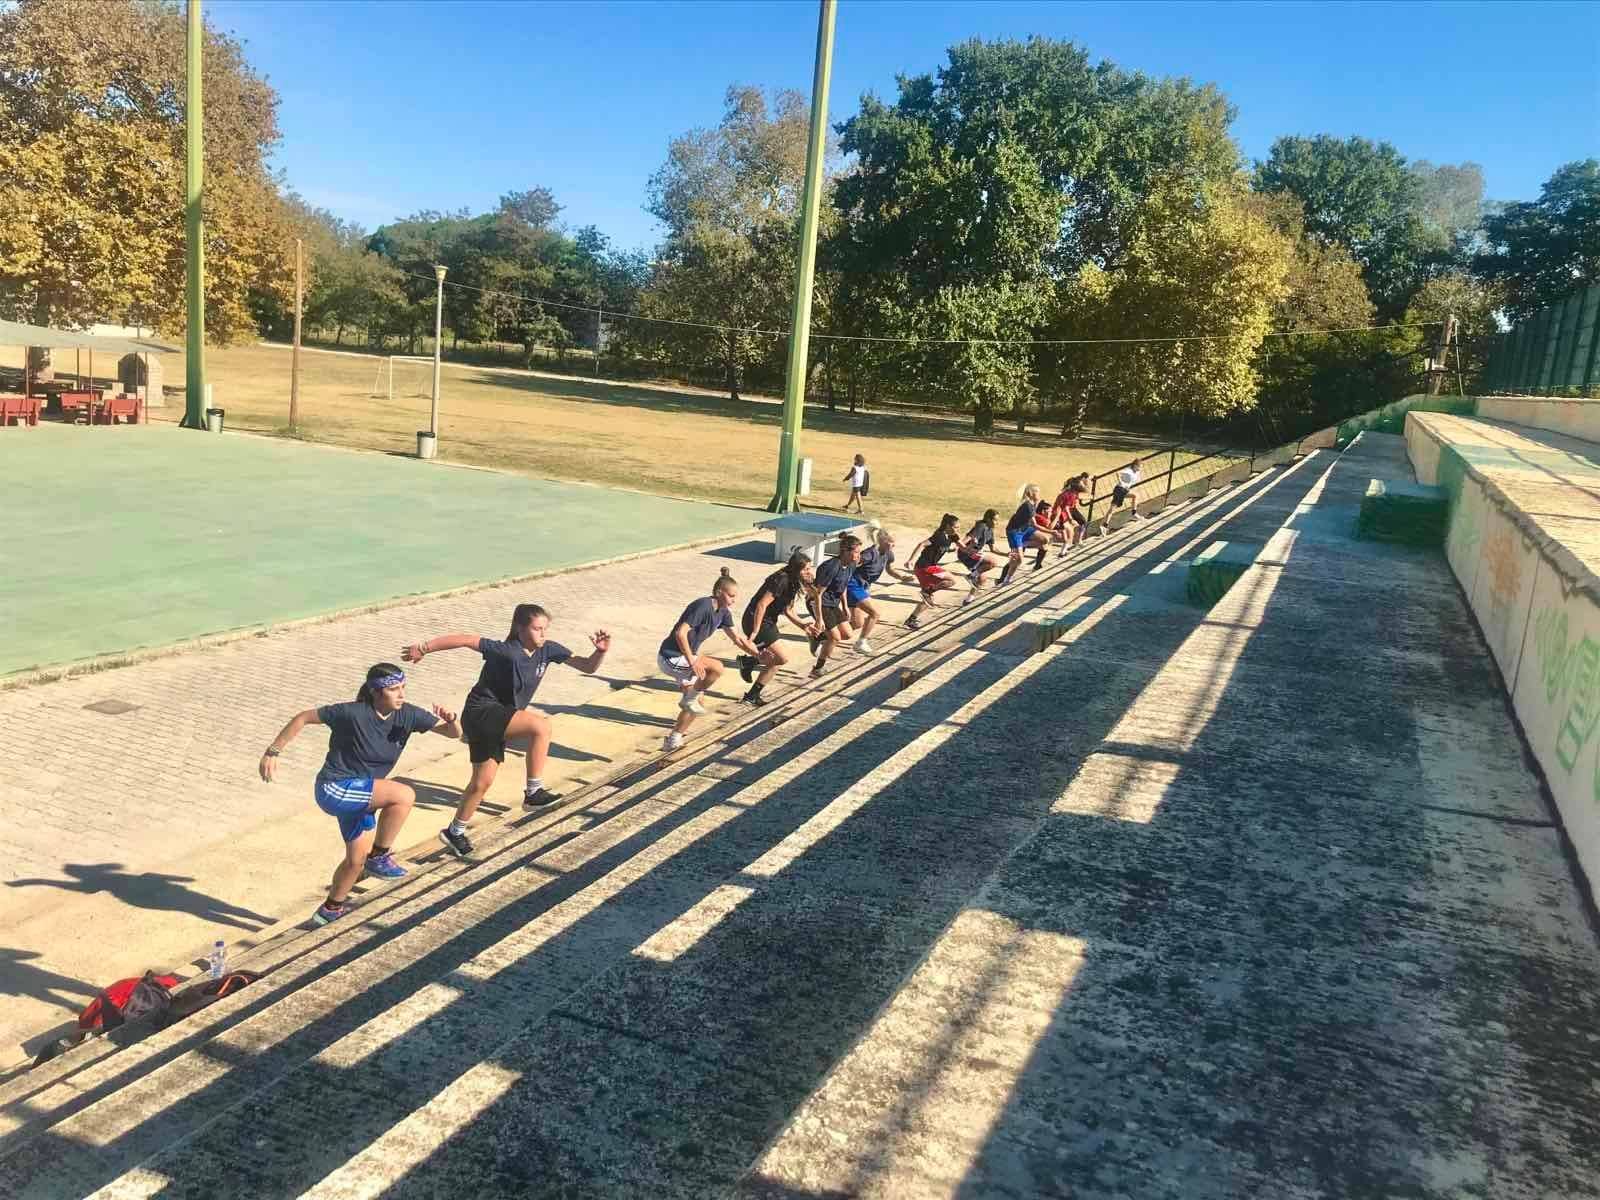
[{"x": 128, "y": 1000}]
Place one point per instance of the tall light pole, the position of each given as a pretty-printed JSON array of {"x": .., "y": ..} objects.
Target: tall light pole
[
  {"x": 794, "y": 392},
  {"x": 438, "y": 334},
  {"x": 294, "y": 361},
  {"x": 194, "y": 386}
]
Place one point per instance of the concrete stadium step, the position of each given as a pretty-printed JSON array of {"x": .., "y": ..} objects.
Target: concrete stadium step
[
  {"x": 440, "y": 949},
  {"x": 298, "y": 955}
]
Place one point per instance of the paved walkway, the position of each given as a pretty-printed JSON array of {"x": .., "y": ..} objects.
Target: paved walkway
[{"x": 132, "y": 839}]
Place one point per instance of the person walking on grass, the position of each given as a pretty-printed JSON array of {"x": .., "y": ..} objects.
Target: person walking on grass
[
  {"x": 365, "y": 738},
  {"x": 1022, "y": 533},
  {"x": 1127, "y": 480},
  {"x": 876, "y": 559},
  {"x": 974, "y": 551},
  {"x": 680, "y": 659},
  {"x": 775, "y": 598},
  {"x": 858, "y": 477},
  {"x": 925, "y": 568},
  {"x": 497, "y": 707},
  {"x": 832, "y": 589}
]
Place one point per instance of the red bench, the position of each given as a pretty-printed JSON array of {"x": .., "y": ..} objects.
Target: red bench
[
  {"x": 24, "y": 410},
  {"x": 73, "y": 403},
  {"x": 119, "y": 406}
]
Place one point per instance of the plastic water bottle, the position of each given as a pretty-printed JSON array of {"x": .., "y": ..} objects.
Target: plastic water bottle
[{"x": 217, "y": 960}]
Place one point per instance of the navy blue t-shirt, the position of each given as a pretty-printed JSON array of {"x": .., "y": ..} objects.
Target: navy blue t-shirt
[
  {"x": 1023, "y": 517},
  {"x": 982, "y": 538},
  {"x": 833, "y": 577},
  {"x": 703, "y": 618},
  {"x": 511, "y": 674},
  {"x": 874, "y": 563},
  {"x": 363, "y": 745}
]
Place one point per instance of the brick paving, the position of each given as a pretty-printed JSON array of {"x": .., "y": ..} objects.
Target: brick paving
[{"x": 167, "y": 787}]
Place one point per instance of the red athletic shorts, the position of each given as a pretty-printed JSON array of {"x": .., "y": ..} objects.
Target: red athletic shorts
[{"x": 931, "y": 578}]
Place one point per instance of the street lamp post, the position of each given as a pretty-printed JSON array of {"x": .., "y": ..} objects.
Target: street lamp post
[{"x": 438, "y": 334}]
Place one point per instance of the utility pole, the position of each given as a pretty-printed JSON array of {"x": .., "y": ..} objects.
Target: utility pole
[
  {"x": 438, "y": 337},
  {"x": 194, "y": 386},
  {"x": 599, "y": 335},
  {"x": 294, "y": 361},
  {"x": 1437, "y": 365},
  {"x": 794, "y": 392}
]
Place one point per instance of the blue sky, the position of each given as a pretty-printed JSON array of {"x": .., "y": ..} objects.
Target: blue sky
[{"x": 388, "y": 108}]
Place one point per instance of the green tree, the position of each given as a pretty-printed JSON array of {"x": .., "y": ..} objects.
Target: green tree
[
  {"x": 91, "y": 169},
  {"x": 730, "y": 200},
  {"x": 1209, "y": 265},
  {"x": 1542, "y": 250},
  {"x": 1359, "y": 194},
  {"x": 1474, "y": 303},
  {"x": 1016, "y": 165}
]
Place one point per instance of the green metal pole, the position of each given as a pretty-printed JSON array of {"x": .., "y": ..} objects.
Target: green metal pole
[
  {"x": 194, "y": 387},
  {"x": 794, "y": 392}
]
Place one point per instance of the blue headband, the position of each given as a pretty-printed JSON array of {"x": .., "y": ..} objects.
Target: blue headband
[{"x": 388, "y": 681}]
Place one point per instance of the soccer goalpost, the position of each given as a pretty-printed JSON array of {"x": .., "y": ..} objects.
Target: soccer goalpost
[{"x": 416, "y": 376}]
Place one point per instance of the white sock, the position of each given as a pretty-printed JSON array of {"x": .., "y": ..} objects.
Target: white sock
[
  {"x": 458, "y": 826},
  {"x": 534, "y": 785}
]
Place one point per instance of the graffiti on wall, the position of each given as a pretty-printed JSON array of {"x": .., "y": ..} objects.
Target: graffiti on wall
[
  {"x": 1464, "y": 531},
  {"x": 1570, "y": 673}
]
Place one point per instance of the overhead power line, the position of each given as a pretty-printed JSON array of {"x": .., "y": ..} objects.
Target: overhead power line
[{"x": 910, "y": 341}]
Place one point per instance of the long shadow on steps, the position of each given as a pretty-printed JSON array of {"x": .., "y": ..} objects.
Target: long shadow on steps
[{"x": 857, "y": 877}]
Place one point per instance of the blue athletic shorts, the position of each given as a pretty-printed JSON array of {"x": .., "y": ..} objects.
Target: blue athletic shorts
[
  {"x": 857, "y": 593},
  {"x": 350, "y": 800},
  {"x": 1018, "y": 538}
]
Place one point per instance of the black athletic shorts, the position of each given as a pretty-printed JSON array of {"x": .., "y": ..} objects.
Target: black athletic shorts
[
  {"x": 832, "y": 616},
  {"x": 1077, "y": 515},
  {"x": 763, "y": 637},
  {"x": 1118, "y": 495},
  {"x": 484, "y": 722}
]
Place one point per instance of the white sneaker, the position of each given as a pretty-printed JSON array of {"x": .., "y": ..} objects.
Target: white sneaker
[
  {"x": 865, "y": 647},
  {"x": 691, "y": 703},
  {"x": 969, "y": 597},
  {"x": 1062, "y": 553},
  {"x": 671, "y": 742}
]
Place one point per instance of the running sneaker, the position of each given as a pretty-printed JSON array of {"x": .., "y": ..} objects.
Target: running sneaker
[
  {"x": 746, "y": 665},
  {"x": 1063, "y": 552},
  {"x": 866, "y": 647},
  {"x": 691, "y": 703},
  {"x": 327, "y": 913},
  {"x": 754, "y": 698},
  {"x": 383, "y": 866},
  {"x": 540, "y": 798},
  {"x": 816, "y": 671},
  {"x": 969, "y": 597},
  {"x": 671, "y": 742},
  {"x": 458, "y": 844},
  {"x": 913, "y": 623}
]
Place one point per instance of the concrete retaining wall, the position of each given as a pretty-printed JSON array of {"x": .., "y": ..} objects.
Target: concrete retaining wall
[
  {"x": 1538, "y": 608},
  {"x": 1576, "y": 418}
]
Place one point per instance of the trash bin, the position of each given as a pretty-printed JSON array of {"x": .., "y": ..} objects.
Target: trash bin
[
  {"x": 805, "y": 477},
  {"x": 214, "y": 419},
  {"x": 427, "y": 444}
]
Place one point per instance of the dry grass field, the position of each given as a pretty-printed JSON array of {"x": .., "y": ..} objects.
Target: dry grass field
[{"x": 669, "y": 440}]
